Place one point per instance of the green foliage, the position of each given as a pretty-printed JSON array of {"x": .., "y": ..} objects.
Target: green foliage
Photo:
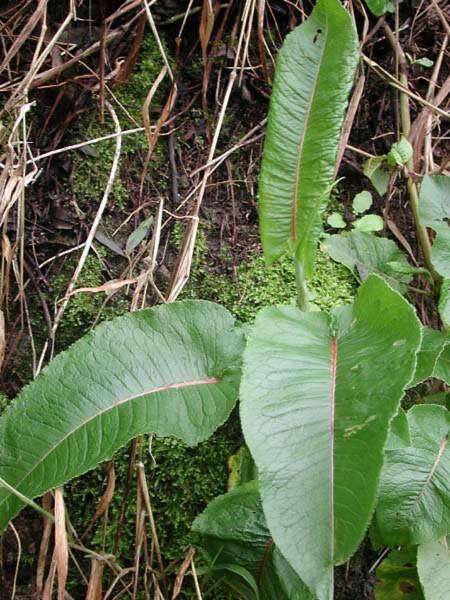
[
  {"x": 364, "y": 253},
  {"x": 240, "y": 550},
  {"x": 120, "y": 381},
  {"x": 362, "y": 202},
  {"x": 433, "y": 565},
  {"x": 432, "y": 346},
  {"x": 434, "y": 211},
  {"x": 414, "y": 494},
  {"x": 317, "y": 396},
  {"x": 314, "y": 75}
]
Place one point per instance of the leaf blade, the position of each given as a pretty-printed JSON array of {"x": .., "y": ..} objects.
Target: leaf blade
[
  {"x": 314, "y": 74},
  {"x": 300, "y": 447},
  {"x": 414, "y": 496},
  {"x": 110, "y": 386}
]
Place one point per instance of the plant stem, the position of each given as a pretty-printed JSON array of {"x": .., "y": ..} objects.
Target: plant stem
[
  {"x": 405, "y": 117},
  {"x": 302, "y": 290},
  {"x": 25, "y": 499}
]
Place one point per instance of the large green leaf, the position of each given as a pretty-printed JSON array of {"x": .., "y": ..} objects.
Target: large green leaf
[
  {"x": 234, "y": 530},
  {"x": 314, "y": 74},
  {"x": 433, "y": 564},
  {"x": 434, "y": 212},
  {"x": 173, "y": 370},
  {"x": 317, "y": 396},
  {"x": 397, "y": 577},
  {"x": 364, "y": 253},
  {"x": 414, "y": 501}
]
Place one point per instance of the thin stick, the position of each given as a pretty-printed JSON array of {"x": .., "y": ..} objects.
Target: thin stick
[{"x": 96, "y": 223}]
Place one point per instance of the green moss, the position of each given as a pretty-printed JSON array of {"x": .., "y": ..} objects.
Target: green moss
[
  {"x": 181, "y": 482},
  {"x": 92, "y": 167},
  {"x": 258, "y": 285}
]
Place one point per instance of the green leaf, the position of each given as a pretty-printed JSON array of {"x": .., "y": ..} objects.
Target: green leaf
[
  {"x": 313, "y": 78},
  {"x": 173, "y": 370},
  {"x": 400, "y": 153},
  {"x": 335, "y": 220},
  {"x": 138, "y": 235},
  {"x": 362, "y": 202},
  {"x": 378, "y": 172},
  {"x": 378, "y": 7},
  {"x": 433, "y": 565},
  {"x": 444, "y": 303},
  {"x": 364, "y": 253},
  {"x": 414, "y": 498},
  {"x": 233, "y": 529},
  {"x": 434, "y": 212},
  {"x": 397, "y": 576},
  {"x": 423, "y": 62},
  {"x": 398, "y": 432},
  {"x": 317, "y": 396},
  {"x": 369, "y": 223},
  {"x": 241, "y": 468},
  {"x": 442, "y": 368},
  {"x": 433, "y": 343},
  {"x": 407, "y": 269}
]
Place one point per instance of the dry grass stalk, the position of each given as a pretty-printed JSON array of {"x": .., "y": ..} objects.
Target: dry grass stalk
[{"x": 61, "y": 554}]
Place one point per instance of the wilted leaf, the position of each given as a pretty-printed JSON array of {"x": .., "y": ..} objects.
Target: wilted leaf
[
  {"x": 173, "y": 370},
  {"x": 109, "y": 243},
  {"x": 414, "y": 498},
  {"x": 314, "y": 75},
  {"x": 397, "y": 576},
  {"x": 362, "y": 202},
  {"x": 317, "y": 396}
]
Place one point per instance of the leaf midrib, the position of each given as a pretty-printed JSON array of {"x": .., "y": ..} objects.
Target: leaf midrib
[
  {"x": 163, "y": 388},
  {"x": 295, "y": 199},
  {"x": 433, "y": 469},
  {"x": 333, "y": 369}
]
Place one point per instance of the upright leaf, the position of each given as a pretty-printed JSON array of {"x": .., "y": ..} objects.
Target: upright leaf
[
  {"x": 433, "y": 564},
  {"x": 314, "y": 74},
  {"x": 317, "y": 396},
  {"x": 173, "y": 370},
  {"x": 435, "y": 212},
  {"x": 234, "y": 530},
  {"x": 414, "y": 500}
]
